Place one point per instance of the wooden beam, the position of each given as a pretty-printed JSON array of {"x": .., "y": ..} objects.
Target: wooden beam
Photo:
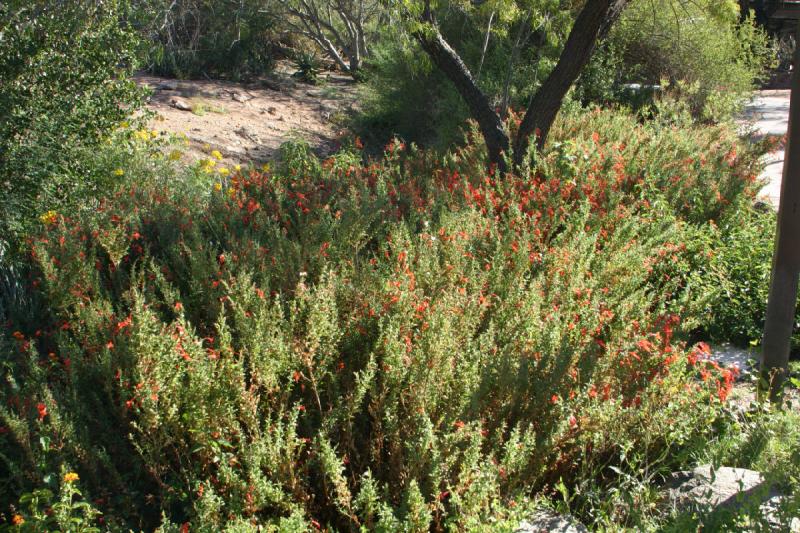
[{"x": 781, "y": 306}]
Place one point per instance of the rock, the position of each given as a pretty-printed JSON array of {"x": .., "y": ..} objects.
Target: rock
[
  {"x": 547, "y": 521},
  {"x": 725, "y": 487},
  {"x": 272, "y": 110},
  {"x": 169, "y": 85},
  {"x": 770, "y": 510},
  {"x": 180, "y": 104},
  {"x": 241, "y": 97},
  {"x": 247, "y": 134}
]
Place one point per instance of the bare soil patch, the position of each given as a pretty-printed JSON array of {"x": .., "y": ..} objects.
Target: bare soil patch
[{"x": 247, "y": 122}]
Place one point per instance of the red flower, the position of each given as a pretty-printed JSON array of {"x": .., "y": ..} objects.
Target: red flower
[{"x": 42, "y": 408}]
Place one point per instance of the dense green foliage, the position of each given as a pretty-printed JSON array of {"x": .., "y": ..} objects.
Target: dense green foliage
[
  {"x": 736, "y": 279},
  {"x": 65, "y": 88},
  {"x": 191, "y": 39},
  {"x": 700, "y": 48},
  {"x": 408, "y": 97},
  {"x": 702, "y": 44},
  {"x": 401, "y": 345}
]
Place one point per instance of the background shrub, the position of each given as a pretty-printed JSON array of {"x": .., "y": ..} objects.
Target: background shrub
[
  {"x": 736, "y": 278},
  {"x": 190, "y": 39},
  {"x": 706, "y": 45},
  {"x": 65, "y": 88},
  {"x": 701, "y": 50},
  {"x": 408, "y": 97}
]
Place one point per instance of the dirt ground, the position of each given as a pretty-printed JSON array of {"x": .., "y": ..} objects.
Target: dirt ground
[{"x": 249, "y": 122}]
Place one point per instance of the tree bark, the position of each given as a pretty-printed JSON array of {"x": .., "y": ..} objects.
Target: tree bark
[
  {"x": 592, "y": 24},
  {"x": 781, "y": 306},
  {"x": 449, "y": 62}
]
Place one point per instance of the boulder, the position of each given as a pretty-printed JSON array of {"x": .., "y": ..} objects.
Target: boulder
[
  {"x": 241, "y": 97},
  {"x": 547, "y": 521},
  {"x": 712, "y": 489},
  {"x": 180, "y": 104}
]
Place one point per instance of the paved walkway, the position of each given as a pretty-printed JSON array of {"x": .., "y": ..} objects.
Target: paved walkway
[{"x": 769, "y": 115}]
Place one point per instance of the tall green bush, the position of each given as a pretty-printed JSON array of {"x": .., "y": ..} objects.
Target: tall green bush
[
  {"x": 719, "y": 56},
  {"x": 65, "y": 68}
]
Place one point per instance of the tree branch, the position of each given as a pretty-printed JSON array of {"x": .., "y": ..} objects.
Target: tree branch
[{"x": 449, "y": 62}]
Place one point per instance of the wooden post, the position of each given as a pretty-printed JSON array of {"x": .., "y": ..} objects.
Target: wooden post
[{"x": 786, "y": 259}]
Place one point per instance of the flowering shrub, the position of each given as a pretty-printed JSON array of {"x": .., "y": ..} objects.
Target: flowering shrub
[{"x": 402, "y": 345}]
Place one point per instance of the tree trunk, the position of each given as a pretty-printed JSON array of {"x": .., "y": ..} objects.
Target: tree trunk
[
  {"x": 593, "y": 22},
  {"x": 444, "y": 57},
  {"x": 591, "y": 25},
  {"x": 781, "y": 306}
]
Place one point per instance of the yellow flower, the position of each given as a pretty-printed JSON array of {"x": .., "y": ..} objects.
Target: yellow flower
[
  {"x": 17, "y": 520},
  {"x": 175, "y": 155},
  {"x": 231, "y": 192},
  {"x": 224, "y": 171},
  {"x": 119, "y": 172},
  {"x": 71, "y": 477},
  {"x": 142, "y": 135},
  {"x": 237, "y": 168},
  {"x": 217, "y": 186},
  {"x": 49, "y": 217},
  {"x": 265, "y": 167},
  {"x": 154, "y": 133},
  {"x": 124, "y": 124},
  {"x": 216, "y": 155},
  {"x": 207, "y": 164}
]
